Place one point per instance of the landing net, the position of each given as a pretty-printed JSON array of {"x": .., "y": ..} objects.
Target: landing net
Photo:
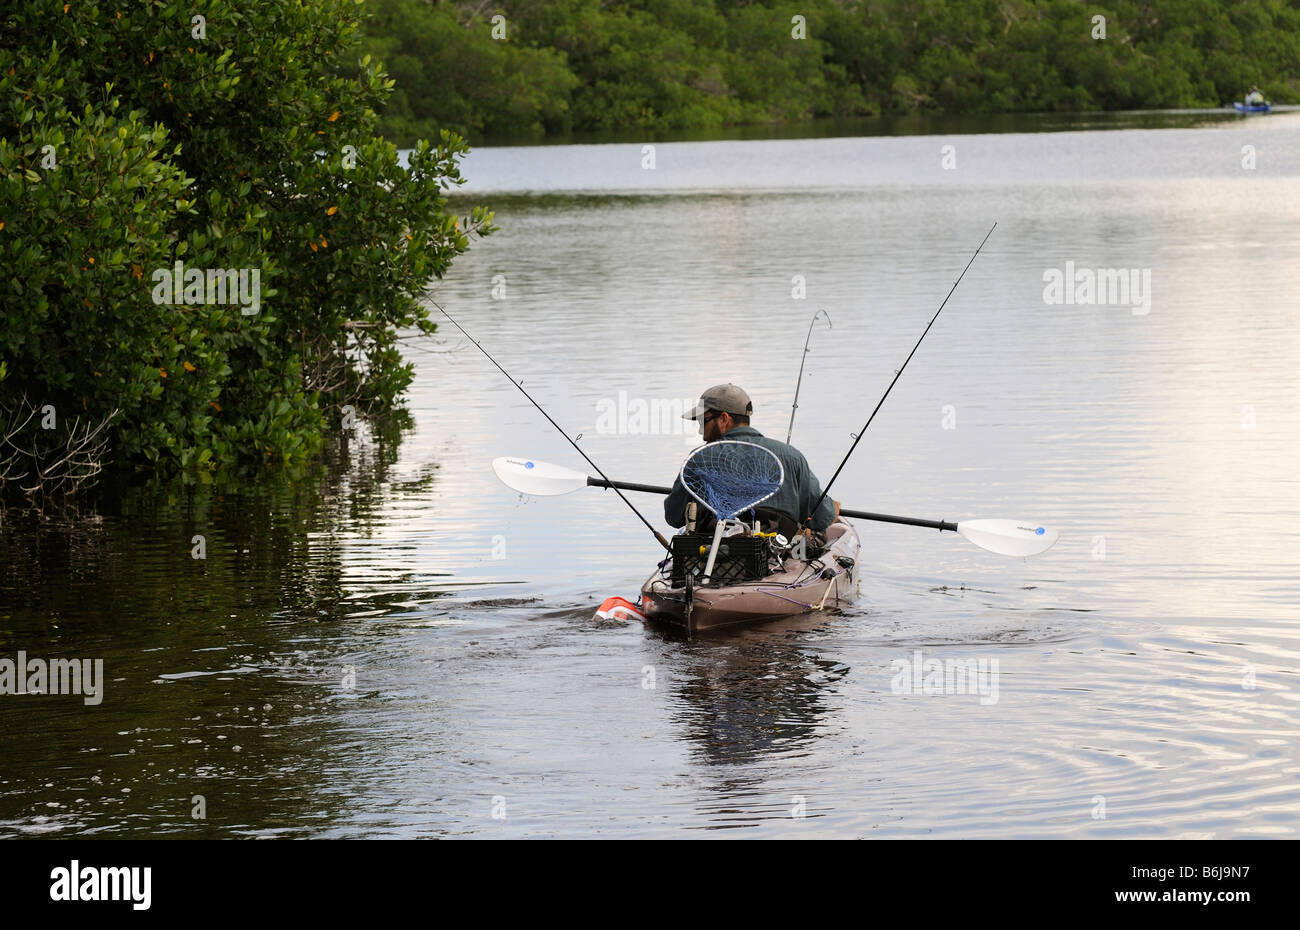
[{"x": 730, "y": 476}]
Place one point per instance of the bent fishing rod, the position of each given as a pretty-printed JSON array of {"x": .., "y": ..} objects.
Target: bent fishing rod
[
  {"x": 658, "y": 536},
  {"x": 799, "y": 381},
  {"x": 897, "y": 374}
]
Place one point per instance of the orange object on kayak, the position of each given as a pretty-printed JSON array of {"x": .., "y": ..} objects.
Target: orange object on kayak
[{"x": 617, "y": 608}]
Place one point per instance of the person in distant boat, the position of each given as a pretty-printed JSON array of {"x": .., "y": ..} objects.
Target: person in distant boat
[
  {"x": 724, "y": 410},
  {"x": 1254, "y": 98}
]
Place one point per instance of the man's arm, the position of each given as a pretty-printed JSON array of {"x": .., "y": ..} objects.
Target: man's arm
[
  {"x": 825, "y": 514},
  {"x": 675, "y": 504}
]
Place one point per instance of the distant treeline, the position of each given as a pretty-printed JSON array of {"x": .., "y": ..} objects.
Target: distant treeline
[{"x": 553, "y": 66}]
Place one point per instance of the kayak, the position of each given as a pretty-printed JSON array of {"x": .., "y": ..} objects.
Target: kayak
[
  {"x": 752, "y": 580},
  {"x": 751, "y": 583},
  {"x": 1251, "y": 107}
]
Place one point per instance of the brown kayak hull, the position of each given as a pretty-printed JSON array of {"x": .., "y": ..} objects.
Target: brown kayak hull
[{"x": 798, "y": 587}]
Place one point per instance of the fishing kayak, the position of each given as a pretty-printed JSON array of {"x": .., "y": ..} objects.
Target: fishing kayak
[
  {"x": 790, "y": 586},
  {"x": 1251, "y": 107}
]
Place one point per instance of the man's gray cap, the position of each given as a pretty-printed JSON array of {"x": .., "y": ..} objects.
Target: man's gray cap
[{"x": 725, "y": 398}]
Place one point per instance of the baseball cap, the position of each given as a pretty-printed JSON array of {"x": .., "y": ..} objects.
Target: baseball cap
[{"x": 725, "y": 398}]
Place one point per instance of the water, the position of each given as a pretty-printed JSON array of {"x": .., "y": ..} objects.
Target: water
[{"x": 404, "y": 647}]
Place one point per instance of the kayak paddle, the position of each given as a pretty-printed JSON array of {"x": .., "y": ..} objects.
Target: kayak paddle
[{"x": 1005, "y": 537}]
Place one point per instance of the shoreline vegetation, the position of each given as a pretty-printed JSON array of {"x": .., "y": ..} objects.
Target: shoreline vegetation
[
  {"x": 215, "y": 259},
  {"x": 212, "y": 252},
  {"x": 534, "y": 70},
  {"x": 920, "y": 123}
]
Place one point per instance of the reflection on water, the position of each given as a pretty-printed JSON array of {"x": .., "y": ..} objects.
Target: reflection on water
[
  {"x": 400, "y": 646},
  {"x": 212, "y": 664},
  {"x": 754, "y": 693},
  {"x": 903, "y": 125}
]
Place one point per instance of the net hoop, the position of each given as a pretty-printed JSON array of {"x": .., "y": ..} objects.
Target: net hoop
[{"x": 755, "y": 477}]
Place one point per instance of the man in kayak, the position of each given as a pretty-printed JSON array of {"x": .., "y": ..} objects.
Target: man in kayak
[
  {"x": 1254, "y": 98},
  {"x": 724, "y": 410}
]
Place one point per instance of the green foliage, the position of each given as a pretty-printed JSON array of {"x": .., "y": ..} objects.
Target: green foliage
[
  {"x": 666, "y": 64},
  {"x": 129, "y": 143},
  {"x": 454, "y": 75}
]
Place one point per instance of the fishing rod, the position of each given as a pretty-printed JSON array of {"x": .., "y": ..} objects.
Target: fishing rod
[
  {"x": 799, "y": 381},
  {"x": 658, "y": 536},
  {"x": 858, "y": 438}
]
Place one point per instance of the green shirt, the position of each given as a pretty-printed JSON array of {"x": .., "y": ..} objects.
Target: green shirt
[{"x": 799, "y": 491}]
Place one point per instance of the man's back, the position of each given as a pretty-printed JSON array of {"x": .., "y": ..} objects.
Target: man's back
[{"x": 799, "y": 490}]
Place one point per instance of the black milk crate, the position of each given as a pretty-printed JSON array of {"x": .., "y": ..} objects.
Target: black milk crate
[{"x": 740, "y": 558}]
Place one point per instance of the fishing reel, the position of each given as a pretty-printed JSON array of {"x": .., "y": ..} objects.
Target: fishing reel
[
  {"x": 777, "y": 544},
  {"x": 799, "y": 548}
]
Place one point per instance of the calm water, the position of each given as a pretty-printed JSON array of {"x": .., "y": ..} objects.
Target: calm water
[{"x": 404, "y": 647}]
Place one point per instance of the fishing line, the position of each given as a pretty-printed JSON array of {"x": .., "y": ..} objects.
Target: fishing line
[
  {"x": 858, "y": 438},
  {"x": 663, "y": 542}
]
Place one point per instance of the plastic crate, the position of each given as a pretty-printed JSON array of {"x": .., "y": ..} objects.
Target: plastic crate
[{"x": 740, "y": 558}]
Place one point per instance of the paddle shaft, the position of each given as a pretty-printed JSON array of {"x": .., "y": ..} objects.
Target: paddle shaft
[{"x": 856, "y": 514}]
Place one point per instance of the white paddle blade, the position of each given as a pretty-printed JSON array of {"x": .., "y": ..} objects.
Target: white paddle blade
[
  {"x": 529, "y": 476},
  {"x": 1009, "y": 537}
]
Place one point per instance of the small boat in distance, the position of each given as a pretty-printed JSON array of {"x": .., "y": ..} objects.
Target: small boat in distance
[{"x": 1253, "y": 102}]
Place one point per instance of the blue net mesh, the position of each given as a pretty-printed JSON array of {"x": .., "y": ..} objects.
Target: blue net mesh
[{"x": 729, "y": 477}]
